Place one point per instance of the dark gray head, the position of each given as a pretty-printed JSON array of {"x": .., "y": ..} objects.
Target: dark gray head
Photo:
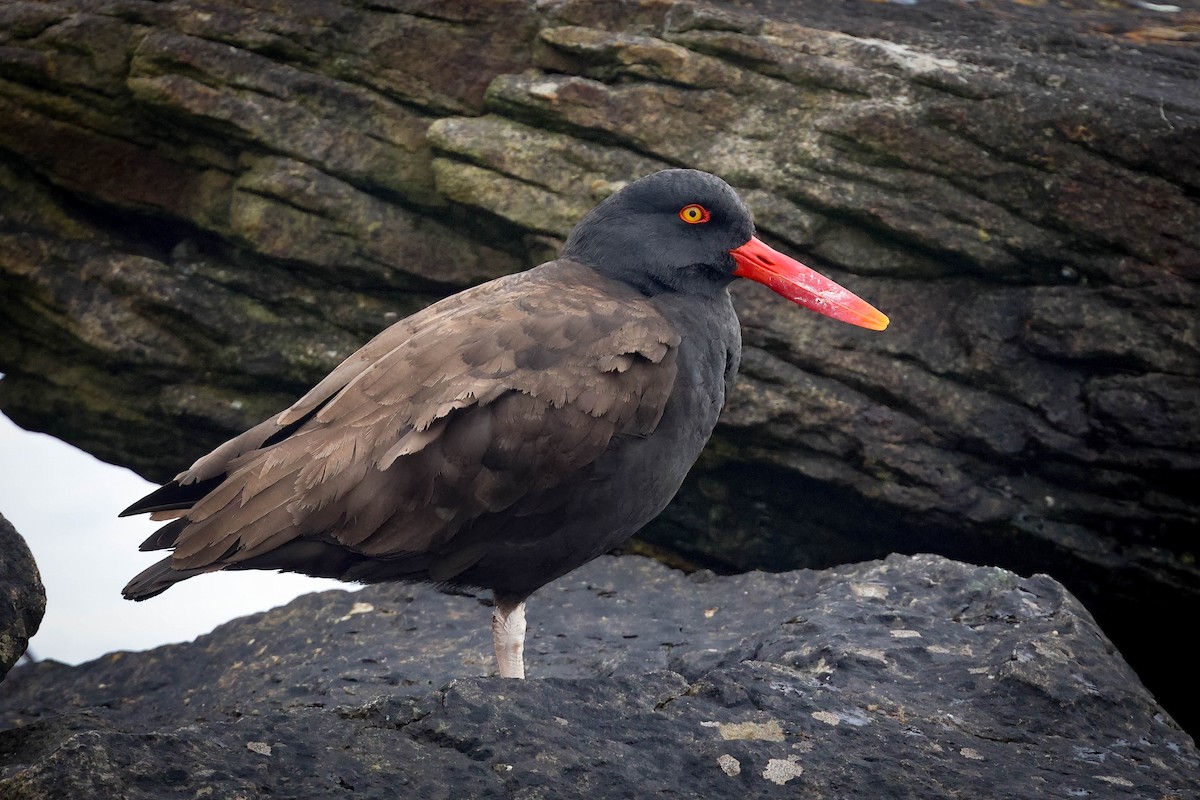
[{"x": 670, "y": 231}]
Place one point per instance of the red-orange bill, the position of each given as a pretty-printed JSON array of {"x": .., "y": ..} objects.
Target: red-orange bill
[{"x": 788, "y": 277}]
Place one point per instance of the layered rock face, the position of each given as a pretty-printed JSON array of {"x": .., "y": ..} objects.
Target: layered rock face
[{"x": 203, "y": 207}]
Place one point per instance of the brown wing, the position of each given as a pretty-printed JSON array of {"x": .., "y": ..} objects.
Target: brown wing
[
  {"x": 479, "y": 405},
  {"x": 210, "y": 470}
]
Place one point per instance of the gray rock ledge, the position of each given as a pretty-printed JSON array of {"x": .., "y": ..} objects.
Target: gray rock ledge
[{"x": 911, "y": 677}]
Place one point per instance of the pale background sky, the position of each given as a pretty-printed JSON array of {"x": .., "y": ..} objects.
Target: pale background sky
[{"x": 65, "y": 503}]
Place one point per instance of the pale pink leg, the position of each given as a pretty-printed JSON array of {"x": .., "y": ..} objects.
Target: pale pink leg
[{"x": 508, "y": 635}]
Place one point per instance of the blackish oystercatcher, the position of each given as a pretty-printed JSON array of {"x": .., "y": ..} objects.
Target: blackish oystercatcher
[{"x": 506, "y": 435}]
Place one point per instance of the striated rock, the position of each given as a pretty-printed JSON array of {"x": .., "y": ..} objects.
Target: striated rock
[
  {"x": 22, "y": 596},
  {"x": 912, "y": 677},
  {"x": 203, "y": 208}
]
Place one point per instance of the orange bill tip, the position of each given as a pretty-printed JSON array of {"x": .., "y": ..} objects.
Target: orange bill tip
[{"x": 806, "y": 287}]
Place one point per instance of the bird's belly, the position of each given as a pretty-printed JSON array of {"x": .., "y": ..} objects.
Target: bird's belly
[{"x": 631, "y": 483}]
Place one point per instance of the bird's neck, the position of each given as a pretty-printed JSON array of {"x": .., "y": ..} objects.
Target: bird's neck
[{"x": 696, "y": 280}]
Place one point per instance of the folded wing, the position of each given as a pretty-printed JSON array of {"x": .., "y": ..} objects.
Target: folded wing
[{"x": 478, "y": 409}]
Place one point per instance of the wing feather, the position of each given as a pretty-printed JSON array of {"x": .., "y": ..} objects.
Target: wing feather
[{"x": 478, "y": 407}]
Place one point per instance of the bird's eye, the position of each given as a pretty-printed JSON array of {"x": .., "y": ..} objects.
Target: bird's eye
[{"x": 694, "y": 214}]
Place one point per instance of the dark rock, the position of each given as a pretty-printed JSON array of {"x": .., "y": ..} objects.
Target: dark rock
[
  {"x": 913, "y": 677},
  {"x": 204, "y": 207},
  {"x": 22, "y": 596}
]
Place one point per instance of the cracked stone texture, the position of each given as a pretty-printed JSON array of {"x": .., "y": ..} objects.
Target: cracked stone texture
[
  {"x": 22, "y": 596},
  {"x": 914, "y": 677},
  {"x": 204, "y": 206}
]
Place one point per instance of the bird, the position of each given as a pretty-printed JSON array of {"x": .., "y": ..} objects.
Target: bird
[{"x": 510, "y": 433}]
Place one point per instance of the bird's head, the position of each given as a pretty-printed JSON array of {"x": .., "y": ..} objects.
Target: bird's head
[{"x": 682, "y": 230}]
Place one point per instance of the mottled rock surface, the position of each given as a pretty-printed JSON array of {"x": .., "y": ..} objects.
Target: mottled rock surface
[
  {"x": 22, "y": 596},
  {"x": 909, "y": 678},
  {"x": 204, "y": 206}
]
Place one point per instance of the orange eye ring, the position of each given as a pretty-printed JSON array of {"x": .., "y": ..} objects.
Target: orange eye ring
[{"x": 694, "y": 214}]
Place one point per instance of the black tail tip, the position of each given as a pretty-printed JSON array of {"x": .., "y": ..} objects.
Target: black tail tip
[{"x": 138, "y": 596}]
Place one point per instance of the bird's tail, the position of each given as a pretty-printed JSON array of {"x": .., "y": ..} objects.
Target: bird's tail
[{"x": 157, "y": 578}]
